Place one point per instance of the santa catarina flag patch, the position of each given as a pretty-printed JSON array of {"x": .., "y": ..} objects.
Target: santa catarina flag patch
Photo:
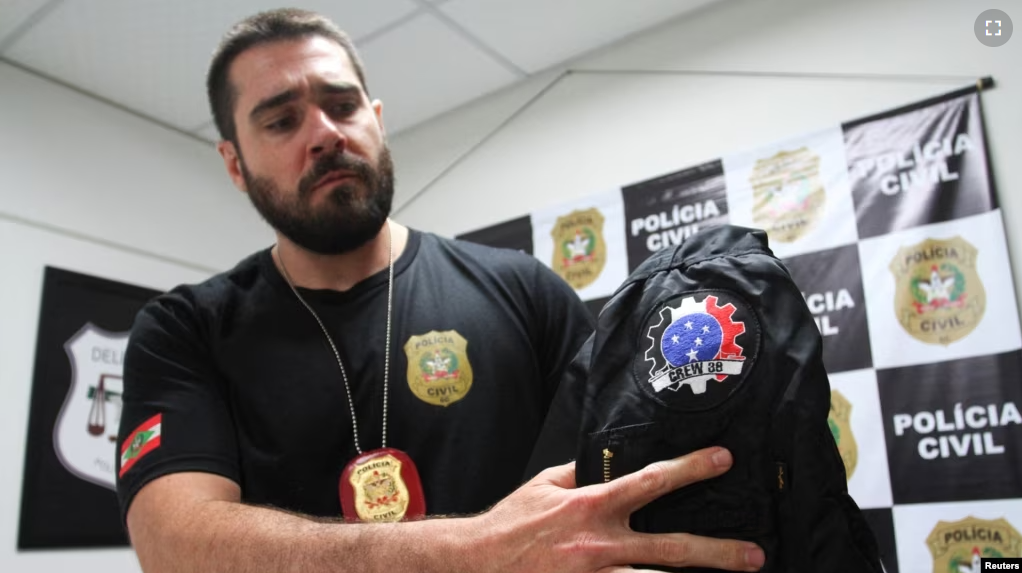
[{"x": 143, "y": 440}]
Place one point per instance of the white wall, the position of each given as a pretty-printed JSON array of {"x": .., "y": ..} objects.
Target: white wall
[
  {"x": 72, "y": 163},
  {"x": 591, "y": 131},
  {"x": 75, "y": 163}
]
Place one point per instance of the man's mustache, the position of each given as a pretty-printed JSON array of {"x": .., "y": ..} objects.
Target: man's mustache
[{"x": 334, "y": 162}]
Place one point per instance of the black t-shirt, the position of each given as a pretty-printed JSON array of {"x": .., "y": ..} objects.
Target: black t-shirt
[{"x": 234, "y": 377}]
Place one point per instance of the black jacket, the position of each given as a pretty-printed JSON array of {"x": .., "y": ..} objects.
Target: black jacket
[{"x": 709, "y": 344}]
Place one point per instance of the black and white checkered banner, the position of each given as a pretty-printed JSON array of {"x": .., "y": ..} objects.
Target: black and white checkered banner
[{"x": 890, "y": 226}]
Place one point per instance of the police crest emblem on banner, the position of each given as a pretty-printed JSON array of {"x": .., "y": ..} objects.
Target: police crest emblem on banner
[
  {"x": 580, "y": 251},
  {"x": 940, "y": 298},
  {"x": 840, "y": 423},
  {"x": 958, "y": 546},
  {"x": 788, "y": 194}
]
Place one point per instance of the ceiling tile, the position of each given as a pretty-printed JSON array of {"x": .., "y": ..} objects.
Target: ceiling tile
[
  {"x": 14, "y": 12},
  {"x": 536, "y": 34},
  {"x": 423, "y": 68},
  {"x": 152, "y": 56}
]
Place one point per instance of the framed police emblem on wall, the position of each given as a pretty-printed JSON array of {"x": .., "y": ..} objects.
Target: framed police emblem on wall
[{"x": 68, "y": 493}]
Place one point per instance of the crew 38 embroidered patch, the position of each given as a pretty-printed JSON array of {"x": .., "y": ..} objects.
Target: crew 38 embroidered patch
[{"x": 695, "y": 349}]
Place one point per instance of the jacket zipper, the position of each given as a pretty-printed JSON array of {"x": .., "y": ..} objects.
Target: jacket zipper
[{"x": 607, "y": 455}]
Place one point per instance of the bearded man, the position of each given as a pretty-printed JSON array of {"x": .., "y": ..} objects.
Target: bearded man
[{"x": 361, "y": 369}]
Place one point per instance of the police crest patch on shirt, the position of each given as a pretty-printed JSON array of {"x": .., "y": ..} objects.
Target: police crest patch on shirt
[
  {"x": 439, "y": 372},
  {"x": 696, "y": 349}
]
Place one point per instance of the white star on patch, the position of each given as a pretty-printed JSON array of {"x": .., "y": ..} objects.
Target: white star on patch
[
  {"x": 692, "y": 355},
  {"x": 699, "y": 342},
  {"x": 706, "y": 330},
  {"x": 675, "y": 339},
  {"x": 688, "y": 325}
]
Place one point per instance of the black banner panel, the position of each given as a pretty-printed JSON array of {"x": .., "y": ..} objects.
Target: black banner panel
[
  {"x": 925, "y": 165},
  {"x": 832, "y": 286},
  {"x": 662, "y": 212},
  {"x": 68, "y": 497},
  {"x": 514, "y": 234},
  {"x": 953, "y": 429}
]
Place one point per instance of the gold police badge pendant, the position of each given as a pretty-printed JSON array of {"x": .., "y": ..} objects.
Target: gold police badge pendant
[
  {"x": 381, "y": 485},
  {"x": 839, "y": 421},
  {"x": 939, "y": 296},
  {"x": 439, "y": 372},
  {"x": 788, "y": 195},
  {"x": 580, "y": 252},
  {"x": 959, "y": 545}
]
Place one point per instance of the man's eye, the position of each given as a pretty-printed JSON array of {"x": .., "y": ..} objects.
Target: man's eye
[
  {"x": 282, "y": 124},
  {"x": 343, "y": 109}
]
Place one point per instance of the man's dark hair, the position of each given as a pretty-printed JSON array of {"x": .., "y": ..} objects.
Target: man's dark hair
[{"x": 264, "y": 28}]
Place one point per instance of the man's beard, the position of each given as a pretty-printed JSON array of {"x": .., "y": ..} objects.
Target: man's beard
[{"x": 348, "y": 218}]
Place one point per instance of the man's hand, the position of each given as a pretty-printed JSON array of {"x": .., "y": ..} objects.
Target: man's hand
[
  {"x": 196, "y": 522},
  {"x": 549, "y": 525}
]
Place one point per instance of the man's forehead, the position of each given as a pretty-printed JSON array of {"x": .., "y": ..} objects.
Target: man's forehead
[{"x": 271, "y": 68}]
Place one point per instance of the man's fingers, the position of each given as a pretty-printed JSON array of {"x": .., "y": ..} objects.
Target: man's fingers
[
  {"x": 685, "y": 550},
  {"x": 630, "y": 492},
  {"x": 562, "y": 476}
]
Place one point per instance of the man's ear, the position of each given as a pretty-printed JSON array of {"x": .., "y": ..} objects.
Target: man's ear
[
  {"x": 232, "y": 162},
  {"x": 378, "y": 110}
]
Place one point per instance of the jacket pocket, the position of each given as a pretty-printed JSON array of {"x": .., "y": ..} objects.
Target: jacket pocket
[{"x": 609, "y": 454}]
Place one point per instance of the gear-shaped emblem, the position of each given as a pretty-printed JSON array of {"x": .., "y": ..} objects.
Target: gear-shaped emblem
[{"x": 693, "y": 344}]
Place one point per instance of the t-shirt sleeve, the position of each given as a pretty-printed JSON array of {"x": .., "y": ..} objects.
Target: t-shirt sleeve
[
  {"x": 175, "y": 417},
  {"x": 566, "y": 324}
]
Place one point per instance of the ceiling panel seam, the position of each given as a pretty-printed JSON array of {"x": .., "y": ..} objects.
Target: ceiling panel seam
[
  {"x": 483, "y": 140},
  {"x": 48, "y": 8},
  {"x": 359, "y": 42},
  {"x": 596, "y": 51},
  {"x": 101, "y": 99},
  {"x": 389, "y": 27},
  {"x": 35, "y": 18},
  {"x": 471, "y": 38}
]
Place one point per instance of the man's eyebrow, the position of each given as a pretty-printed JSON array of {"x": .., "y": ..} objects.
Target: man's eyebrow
[
  {"x": 285, "y": 97},
  {"x": 272, "y": 102},
  {"x": 338, "y": 88}
]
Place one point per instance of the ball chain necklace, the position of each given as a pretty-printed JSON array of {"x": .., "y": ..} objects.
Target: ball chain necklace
[{"x": 381, "y": 484}]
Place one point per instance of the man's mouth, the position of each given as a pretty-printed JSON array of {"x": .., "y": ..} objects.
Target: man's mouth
[{"x": 334, "y": 177}]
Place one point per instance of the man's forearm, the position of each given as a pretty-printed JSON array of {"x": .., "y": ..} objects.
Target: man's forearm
[
  {"x": 194, "y": 522},
  {"x": 229, "y": 537}
]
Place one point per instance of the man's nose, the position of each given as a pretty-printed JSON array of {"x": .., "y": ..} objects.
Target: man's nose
[{"x": 326, "y": 136}]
